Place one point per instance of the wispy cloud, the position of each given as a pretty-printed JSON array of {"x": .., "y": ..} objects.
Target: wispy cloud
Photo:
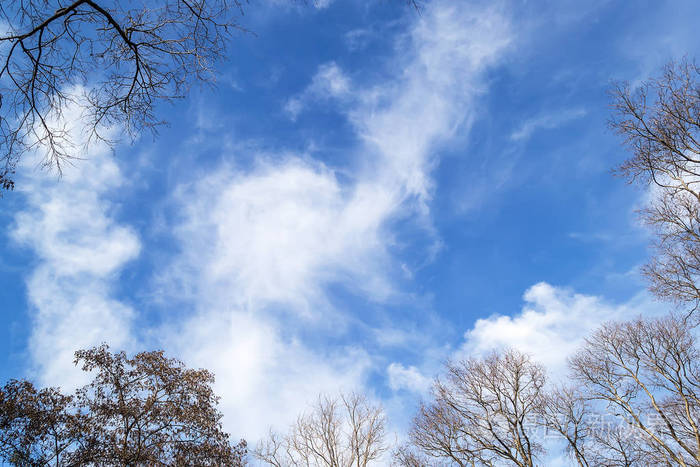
[
  {"x": 279, "y": 233},
  {"x": 261, "y": 247},
  {"x": 265, "y": 375},
  {"x": 322, "y": 4},
  {"x": 357, "y": 39},
  {"x": 80, "y": 248},
  {"x": 404, "y": 121},
  {"x": 329, "y": 82},
  {"x": 546, "y": 121}
]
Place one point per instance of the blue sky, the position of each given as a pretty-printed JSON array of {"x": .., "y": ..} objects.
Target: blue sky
[{"x": 367, "y": 192}]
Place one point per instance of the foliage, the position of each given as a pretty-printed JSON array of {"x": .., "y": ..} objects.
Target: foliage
[{"x": 148, "y": 409}]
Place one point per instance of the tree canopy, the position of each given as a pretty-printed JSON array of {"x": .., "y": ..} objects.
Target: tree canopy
[{"x": 144, "y": 410}]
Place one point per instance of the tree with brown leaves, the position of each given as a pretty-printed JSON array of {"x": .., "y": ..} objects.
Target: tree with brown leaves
[
  {"x": 38, "y": 427},
  {"x": 347, "y": 431},
  {"x": 145, "y": 410},
  {"x": 660, "y": 122}
]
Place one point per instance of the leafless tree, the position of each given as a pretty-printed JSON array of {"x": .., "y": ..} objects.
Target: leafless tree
[
  {"x": 646, "y": 373},
  {"x": 409, "y": 456},
  {"x": 128, "y": 55},
  {"x": 484, "y": 412},
  {"x": 632, "y": 399},
  {"x": 345, "y": 431},
  {"x": 565, "y": 411},
  {"x": 592, "y": 436},
  {"x": 145, "y": 410},
  {"x": 660, "y": 122}
]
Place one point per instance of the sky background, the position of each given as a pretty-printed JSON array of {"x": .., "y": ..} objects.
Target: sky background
[{"x": 366, "y": 193}]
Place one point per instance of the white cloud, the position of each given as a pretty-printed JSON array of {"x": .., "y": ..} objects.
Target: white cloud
[
  {"x": 271, "y": 238},
  {"x": 404, "y": 121},
  {"x": 322, "y": 4},
  {"x": 357, "y": 39},
  {"x": 284, "y": 230},
  {"x": 265, "y": 377},
  {"x": 551, "y": 326},
  {"x": 408, "y": 378},
  {"x": 280, "y": 233},
  {"x": 71, "y": 313},
  {"x": 274, "y": 238},
  {"x": 329, "y": 82},
  {"x": 80, "y": 248},
  {"x": 261, "y": 246},
  {"x": 546, "y": 121}
]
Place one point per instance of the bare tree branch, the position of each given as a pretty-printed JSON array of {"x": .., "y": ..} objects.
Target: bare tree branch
[
  {"x": 660, "y": 123},
  {"x": 647, "y": 373},
  {"x": 482, "y": 413},
  {"x": 346, "y": 431},
  {"x": 121, "y": 58}
]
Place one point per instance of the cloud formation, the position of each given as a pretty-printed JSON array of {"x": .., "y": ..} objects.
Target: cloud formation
[
  {"x": 80, "y": 249},
  {"x": 329, "y": 82},
  {"x": 545, "y": 122},
  {"x": 408, "y": 378},
  {"x": 269, "y": 238},
  {"x": 551, "y": 325},
  {"x": 278, "y": 234},
  {"x": 261, "y": 247}
]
